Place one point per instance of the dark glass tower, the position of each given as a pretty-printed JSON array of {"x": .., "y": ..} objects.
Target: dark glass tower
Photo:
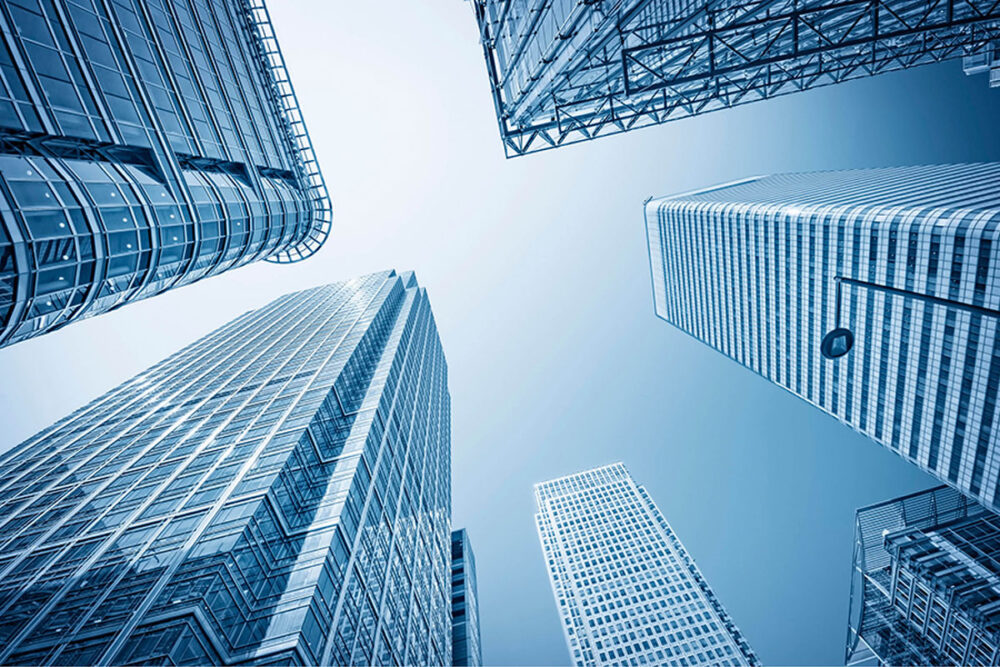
[
  {"x": 466, "y": 647},
  {"x": 278, "y": 491},
  {"x": 143, "y": 145}
]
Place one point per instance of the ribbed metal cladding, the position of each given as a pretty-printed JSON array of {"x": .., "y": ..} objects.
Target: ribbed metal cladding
[
  {"x": 143, "y": 146},
  {"x": 751, "y": 269}
]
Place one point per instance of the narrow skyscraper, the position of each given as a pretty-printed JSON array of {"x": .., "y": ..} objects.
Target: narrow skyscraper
[
  {"x": 872, "y": 294},
  {"x": 627, "y": 591},
  {"x": 144, "y": 145},
  {"x": 925, "y": 586},
  {"x": 466, "y": 648},
  {"x": 277, "y": 492},
  {"x": 569, "y": 71}
]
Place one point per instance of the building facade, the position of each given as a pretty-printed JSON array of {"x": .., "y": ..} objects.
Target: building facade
[
  {"x": 466, "y": 646},
  {"x": 906, "y": 259},
  {"x": 925, "y": 586},
  {"x": 627, "y": 591},
  {"x": 277, "y": 492},
  {"x": 985, "y": 61},
  {"x": 143, "y": 146},
  {"x": 565, "y": 71}
]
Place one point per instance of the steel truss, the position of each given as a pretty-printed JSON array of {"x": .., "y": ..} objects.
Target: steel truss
[{"x": 656, "y": 64}]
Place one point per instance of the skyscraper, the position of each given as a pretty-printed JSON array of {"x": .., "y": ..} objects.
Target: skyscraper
[
  {"x": 925, "y": 585},
  {"x": 143, "y": 145},
  {"x": 278, "y": 491},
  {"x": 466, "y": 647},
  {"x": 627, "y": 591},
  {"x": 565, "y": 71},
  {"x": 872, "y": 294}
]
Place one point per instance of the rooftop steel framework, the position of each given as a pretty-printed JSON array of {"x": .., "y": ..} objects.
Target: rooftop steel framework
[
  {"x": 876, "y": 633},
  {"x": 565, "y": 71}
]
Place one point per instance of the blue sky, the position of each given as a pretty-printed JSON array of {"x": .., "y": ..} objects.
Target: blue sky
[{"x": 538, "y": 275}]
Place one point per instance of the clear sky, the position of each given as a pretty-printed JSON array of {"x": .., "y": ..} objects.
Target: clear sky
[{"x": 539, "y": 279}]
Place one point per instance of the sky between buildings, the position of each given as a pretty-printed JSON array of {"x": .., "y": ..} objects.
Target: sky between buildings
[{"x": 538, "y": 275}]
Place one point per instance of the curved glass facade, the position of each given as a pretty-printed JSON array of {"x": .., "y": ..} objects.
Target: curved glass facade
[
  {"x": 277, "y": 492},
  {"x": 143, "y": 146}
]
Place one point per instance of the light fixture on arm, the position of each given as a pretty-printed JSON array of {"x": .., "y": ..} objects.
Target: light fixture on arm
[{"x": 838, "y": 341}]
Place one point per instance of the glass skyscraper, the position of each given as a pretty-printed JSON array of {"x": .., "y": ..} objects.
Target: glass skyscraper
[
  {"x": 925, "y": 587},
  {"x": 779, "y": 272},
  {"x": 466, "y": 647},
  {"x": 565, "y": 71},
  {"x": 144, "y": 144},
  {"x": 627, "y": 591},
  {"x": 277, "y": 492}
]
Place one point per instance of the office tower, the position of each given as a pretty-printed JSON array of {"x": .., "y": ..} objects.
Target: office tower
[
  {"x": 466, "y": 648},
  {"x": 872, "y": 294},
  {"x": 925, "y": 583},
  {"x": 277, "y": 492},
  {"x": 627, "y": 591},
  {"x": 143, "y": 145},
  {"x": 566, "y": 71}
]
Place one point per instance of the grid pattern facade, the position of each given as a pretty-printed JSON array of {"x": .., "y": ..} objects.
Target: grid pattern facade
[
  {"x": 466, "y": 646},
  {"x": 628, "y": 592},
  {"x": 143, "y": 145},
  {"x": 926, "y": 583},
  {"x": 564, "y": 71},
  {"x": 752, "y": 269},
  {"x": 277, "y": 492}
]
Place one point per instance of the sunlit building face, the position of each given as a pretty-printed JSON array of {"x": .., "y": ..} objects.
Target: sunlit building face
[{"x": 276, "y": 491}]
